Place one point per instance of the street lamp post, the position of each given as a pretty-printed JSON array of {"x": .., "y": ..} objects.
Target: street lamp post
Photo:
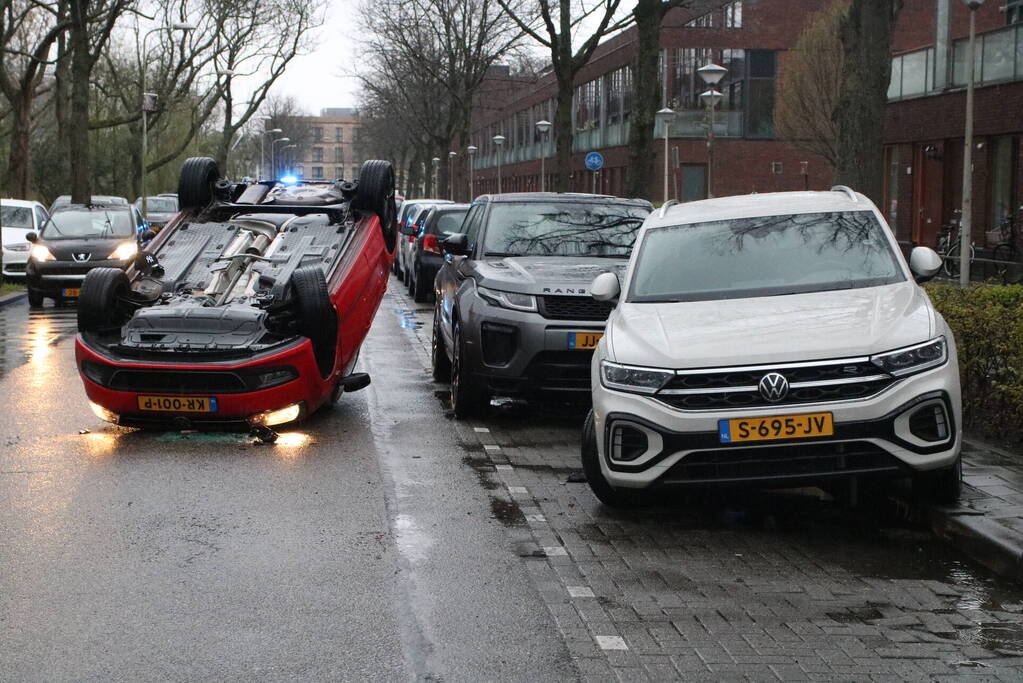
[
  {"x": 966, "y": 220},
  {"x": 273, "y": 162},
  {"x": 499, "y": 141},
  {"x": 436, "y": 171},
  {"x": 543, "y": 127},
  {"x": 666, "y": 116},
  {"x": 150, "y": 105},
  {"x": 451, "y": 175},
  {"x": 471, "y": 149},
  {"x": 262, "y": 148},
  {"x": 711, "y": 75},
  {"x": 271, "y": 132}
]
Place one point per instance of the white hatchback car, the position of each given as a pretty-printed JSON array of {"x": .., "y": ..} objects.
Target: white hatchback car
[
  {"x": 18, "y": 217},
  {"x": 774, "y": 339}
]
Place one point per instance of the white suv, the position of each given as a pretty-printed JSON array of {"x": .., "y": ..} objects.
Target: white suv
[{"x": 777, "y": 339}]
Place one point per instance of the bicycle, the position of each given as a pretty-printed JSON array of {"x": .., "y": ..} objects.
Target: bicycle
[
  {"x": 948, "y": 247},
  {"x": 1006, "y": 250}
]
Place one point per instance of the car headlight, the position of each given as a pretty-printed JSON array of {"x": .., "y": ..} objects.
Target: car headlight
[
  {"x": 41, "y": 253},
  {"x": 633, "y": 379},
  {"x": 913, "y": 359},
  {"x": 125, "y": 251},
  {"x": 512, "y": 300}
]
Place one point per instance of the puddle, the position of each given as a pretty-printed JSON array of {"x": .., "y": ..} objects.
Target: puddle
[
  {"x": 28, "y": 336},
  {"x": 506, "y": 512},
  {"x": 407, "y": 318}
]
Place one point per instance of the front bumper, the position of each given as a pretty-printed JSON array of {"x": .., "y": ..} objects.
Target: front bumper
[
  {"x": 522, "y": 353},
  {"x": 107, "y": 380},
  {"x": 15, "y": 263},
  {"x": 54, "y": 276},
  {"x": 871, "y": 436}
]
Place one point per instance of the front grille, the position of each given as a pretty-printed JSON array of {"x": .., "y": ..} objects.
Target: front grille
[
  {"x": 14, "y": 267},
  {"x": 561, "y": 371},
  {"x": 574, "y": 308},
  {"x": 808, "y": 383},
  {"x": 732, "y": 465},
  {"x": 177, "y": 382}
]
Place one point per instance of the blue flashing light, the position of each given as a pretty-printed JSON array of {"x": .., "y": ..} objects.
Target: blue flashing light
[{"x": 289, "y": 180}]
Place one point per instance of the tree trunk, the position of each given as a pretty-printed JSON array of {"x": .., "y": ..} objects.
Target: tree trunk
[
  {"x": 563, "y": 135},
  {"x": 866, "y": 35},
  {"x": 646, "y": 100},
  {"x": 18, "y": 160},
  {"x": 78, "y": 135},
  {"x": 61, "y": 104}
]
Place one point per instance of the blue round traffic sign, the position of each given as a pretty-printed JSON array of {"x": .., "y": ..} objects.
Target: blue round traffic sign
[{"x": 594, "y": 161}]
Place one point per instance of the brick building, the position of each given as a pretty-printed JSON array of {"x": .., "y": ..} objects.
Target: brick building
[
  {"x": 326, "y": 145},
  {"x": 751, "y": 39}
]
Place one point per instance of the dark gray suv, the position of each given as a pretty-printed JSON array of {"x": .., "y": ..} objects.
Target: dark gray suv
[{"x": 514, "y": 317}]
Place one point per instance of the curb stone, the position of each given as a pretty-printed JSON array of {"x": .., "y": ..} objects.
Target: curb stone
[{"x": 12, "y": 298}]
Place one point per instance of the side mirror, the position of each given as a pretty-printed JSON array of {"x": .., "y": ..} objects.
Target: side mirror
[
  {"x": 31, "y": 237},
  {"x": 606, "y": 287},
  {"x": 456, "y": 243},
  {"x": 148, "y": 235},
  {"x": 925, "y": 263}
]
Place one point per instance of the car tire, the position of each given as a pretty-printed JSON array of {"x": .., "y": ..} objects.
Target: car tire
[
  {"x": 376, "y": 194},
  {"x": 439, "y": 360},
  {"x": 196, "y": 181},
  {"x": 315, "y": 315},
  {"x": 97, "y": 300},
  {"x": 420, "y": 288},
  {"x": 940, "y": 487},
  {"x": 608, "y": 495},
  {"x": 35, "y": 298},
  {"x": 468, "y": 400}
]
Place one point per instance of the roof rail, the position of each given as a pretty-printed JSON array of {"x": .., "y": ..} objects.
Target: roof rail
[
  {"x": 665, "y": 206},
  {"x": 847, "y": 190}
]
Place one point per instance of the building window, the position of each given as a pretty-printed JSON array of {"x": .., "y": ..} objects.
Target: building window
[
  {"x": 339, "y": 173},
  {"x": 587, "y": 105},
  {"x": 299, "y": 170},
  {"x": 733, "y": 14},
  {"x": 707, "y": 20},
  {"x": 760, "y": 105},
  {"x": 317, "y": 154},
  {"x": 318, "y": 172},
  {"x": 1014, "y": 12},
  {"x": 339, "y": 155},
  {"x": 317, "y": 134},
  {"x": 339, "y": 134},
  {"x": 777, "y": 168},
  {"x": 1003, "y": 165}
]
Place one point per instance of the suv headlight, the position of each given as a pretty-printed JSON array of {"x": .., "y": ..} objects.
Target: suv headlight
[
  {"x": 125, "y": 251},
  {"x": 633, "y": 379},
  {"x": 512, "y": 300},
  {"x": 41, "y": 253},
  {"x": 913, "y": 359}
]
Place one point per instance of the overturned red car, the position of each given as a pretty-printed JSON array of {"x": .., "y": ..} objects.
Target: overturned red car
[{"x": 248, "y": 309}]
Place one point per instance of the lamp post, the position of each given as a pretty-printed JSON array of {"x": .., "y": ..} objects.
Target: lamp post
[
  {"x": 436, "y": 167},
  {"x": 711, "y": 75},
  {"x": 499, "y": 141},
  {"x": 150, "y": 105},
  {"x": 273, "y": 163},
  {"x": 451, "y": 175},
  {"x": 262, "y": 149},
  {"x": 271, "y": 132},
  {"x": 543, "y": 127},
  {"x": 966, "y": 220},
  {"x": 666, "y": 116},
  {"x": 471, "y": 149}
]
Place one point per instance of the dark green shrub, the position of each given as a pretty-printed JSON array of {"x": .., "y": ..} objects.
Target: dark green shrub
[{"x": 988, "y": 324}]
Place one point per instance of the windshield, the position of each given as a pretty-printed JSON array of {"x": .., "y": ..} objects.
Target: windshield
[
  {"x": 79, "y": 224},
  {"x": 449, "y": 221},
  {"x": 563, "y": 229},
  {"x": 765, "y": 256},
  {"x": 160, "y": 205},
  {"x": 16, "y": 217}
]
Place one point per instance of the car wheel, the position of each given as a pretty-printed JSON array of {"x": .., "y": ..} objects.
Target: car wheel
[
  {"x": 35, "y": 298},
  {"x": 420, "y": 288},
  {"x": 467, "y": 398},
  {"x": 98, "y": 301},
  {"x": 605, "y": 493},
  {"x": 315, "y": 315},
  {"x": 438, "y": 354},
  {"x": 942, "y": 487},
  {"x": 376, "y": 194},
  {"x": 196, "y": 181}
]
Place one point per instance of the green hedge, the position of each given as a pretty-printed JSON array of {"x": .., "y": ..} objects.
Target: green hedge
[{"x": 988, "y": 324}]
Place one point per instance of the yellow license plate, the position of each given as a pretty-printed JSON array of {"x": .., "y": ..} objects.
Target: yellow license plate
[
  {"x": 178, "y": 404},
  {"x": 777, "y": 427},
  {"x": 71, "y": 291},
  {"x": 584, "y": 340}
]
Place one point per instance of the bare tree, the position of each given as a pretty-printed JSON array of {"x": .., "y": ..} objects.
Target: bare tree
[
  {"x": 808, "y": 89},
  {"x": 554, "y": 28}
]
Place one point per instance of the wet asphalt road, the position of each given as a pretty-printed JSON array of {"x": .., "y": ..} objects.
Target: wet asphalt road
[
  {"x": 357, "y": 548},
  {"x": 382, "y": 540}
]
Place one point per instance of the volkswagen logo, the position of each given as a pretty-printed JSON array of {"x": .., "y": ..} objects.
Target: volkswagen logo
[
  {"x": 81, "y": 257},
  {"x": 773, "y": 387}
]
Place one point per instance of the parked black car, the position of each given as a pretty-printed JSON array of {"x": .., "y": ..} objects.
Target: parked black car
[
  {"x": 425, "y": 257},
  {"x": 514, "y": 316},
  {"x": 76, "y": 239}
]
